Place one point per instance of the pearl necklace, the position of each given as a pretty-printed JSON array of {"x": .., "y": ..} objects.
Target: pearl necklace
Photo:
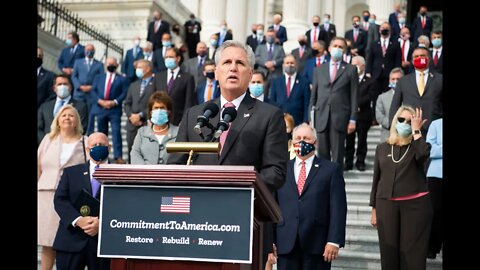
[
  {"x": 397, "y": 161},
  {"x": 159, "y": 131}
]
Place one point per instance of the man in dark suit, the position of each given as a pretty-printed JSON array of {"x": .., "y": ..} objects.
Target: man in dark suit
[
  {"x": 252, "y": 39},
  {"x": 319, "y": 57},
  {"x": 44, "y": 81},
  {"x": 224, "y": 34},
  {"x": 156, "y": 28},
  {"x": 71, "y": 53},
  {"x": 280, "y": 31},
  {"x": 77, "y": 235},
  {"x": 194, "y": 66},
  {"x": 316, "y": 32},
  {"x": 314, "y": 208},
  {"x": 385, "y": 55},
  {"x": 367, "y": 94},
  {"x": 108, "y": 92},
  {"x": 302, "y": 53},
  {"x": 269, "y": 57},
  {"x": 208, "y": 88},
  {"x": 422, "y": 24},
  {"x": 192, "y": 34},
  {"x": 334, "y": 102},
  {"x": 373, "y": 32},
  {"x": 257, "y": 135},
  {"x": 62, "y": 87},
  {"x": 399, "y": 25},
  {"x": 393, "y": 17},
  {"x": 358, "y": 36},
  {"x": 291, "y": 92},
  {"x": 406, "y": 49},
  {"x": 329, "y": 28},
  {"x": 437, "y": 52},
  {"x": 132, "y": 55},
  {"x": 420, "y": 89},
  {"x": 179, "y": 85},
  {"x": 158, "y": 58},
  {"x": 136, "y": 101}
]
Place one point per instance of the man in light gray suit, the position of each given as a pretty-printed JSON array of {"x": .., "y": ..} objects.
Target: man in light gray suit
[
  {"x": 372, "y": 33},
  {"x": 427, "y": 96},
  {"x": 194, "y": 66},
  {"x": 135, "y": 104},
  {"x": 269, "y": 57},
  {"x": 382, "y": 107},
  {"x": 334, "y": 102}
]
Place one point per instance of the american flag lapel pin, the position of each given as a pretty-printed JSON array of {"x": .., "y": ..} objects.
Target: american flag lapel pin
[
  {"x": 246, "y": 115},
  {"x": 85, "y": 173}
]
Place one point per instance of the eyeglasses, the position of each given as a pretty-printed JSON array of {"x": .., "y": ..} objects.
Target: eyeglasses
[{"x": 402, "y": 119}]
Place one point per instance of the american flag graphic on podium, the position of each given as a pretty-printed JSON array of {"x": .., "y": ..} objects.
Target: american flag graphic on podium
[{"x": 175, "y": 204}]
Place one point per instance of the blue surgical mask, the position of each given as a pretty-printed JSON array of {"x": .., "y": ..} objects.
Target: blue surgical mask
[
  {"x": 404, "y": 129},
  {"x": 303, "y": 148},
  {"x": 170, "y": 63},
  {"x": 213, "y": 42},
  {"x": 63, "y": 91},
  {"x": 326, "y": 20},
  {"x": 336, "y": 54},
  {"x": 89, "y": 54},
  {"x": 401, "y": 20},
  {"x": 147, "y": 54},
  {"x": 371, "y": 20},
  {"x": 68, "y": 42},
  {"x": 159, "y": 117},
  {"x": 139, "y": 73},
  {"x": 99, "y": 153},
  {"x": 392, "y": 85},
  {"x": 270, "y": 40},
  {"x": 437, "y": 42},
  {"x": 256, "y": 89},
  {"x": 166, "y": 43},
  {"x": 260, "y": 32}
]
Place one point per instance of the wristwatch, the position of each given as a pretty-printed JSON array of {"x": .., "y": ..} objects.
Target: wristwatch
[{"x": 416, "y": 132}]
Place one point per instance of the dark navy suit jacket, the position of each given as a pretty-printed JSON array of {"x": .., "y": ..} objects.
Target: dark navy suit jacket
[
  {"x": 74, "y": 179},
  {"x": 127, "y": 65},
  {"x": 201, "y": 91},
  {"x": 297, "y": 103},
  {"x": 67, "y": 59},
  {"x": 118, "y": 91},
  {"x": 311, "y": 65},
  {"x": 318, "y": 215}
]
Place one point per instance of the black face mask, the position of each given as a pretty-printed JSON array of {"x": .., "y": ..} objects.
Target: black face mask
[
  {"x": 423, "y": 13},
  {"x": 316, "y": 24},
  {"x": 39, "y": 61},
  {"x": 384, "y": 32},
  {"x": 315, "y": 52},
  {"x": 210, "y": 75},
  {"x": 302, "y": 42},
  {"x": 111, "y": 68},
  {"x": 254, "y": 32}
]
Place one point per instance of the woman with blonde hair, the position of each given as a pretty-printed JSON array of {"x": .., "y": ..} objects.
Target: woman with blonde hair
[
  {"x": 60, "y": 148},
  {"x": 401, "y": 205}
]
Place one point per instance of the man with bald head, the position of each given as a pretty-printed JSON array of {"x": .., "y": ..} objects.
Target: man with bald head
[
  {"x": 77, "y": 235},
  {"x": 108, "y": 92},
  {"x": 194, "y": 66}
]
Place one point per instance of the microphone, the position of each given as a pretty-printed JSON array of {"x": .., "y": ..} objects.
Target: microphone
[
  {"x": 209, "y": 111},
  {"x": 228, "y": 115}
]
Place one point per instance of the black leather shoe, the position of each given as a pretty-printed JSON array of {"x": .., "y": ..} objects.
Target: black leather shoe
[
  {"x": 360, "y": 167},
  {"x": 431, "y": 255},
  {"x": 348, "y": 167}
]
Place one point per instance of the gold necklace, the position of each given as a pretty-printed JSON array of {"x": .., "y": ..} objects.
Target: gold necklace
[{"x": 397, "y": 161}]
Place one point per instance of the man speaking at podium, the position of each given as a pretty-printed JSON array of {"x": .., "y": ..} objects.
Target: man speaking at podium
[{"x": 256, "y": 136}]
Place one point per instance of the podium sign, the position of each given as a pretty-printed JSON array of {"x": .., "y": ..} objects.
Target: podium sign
[{"x": 190, "y": 223}]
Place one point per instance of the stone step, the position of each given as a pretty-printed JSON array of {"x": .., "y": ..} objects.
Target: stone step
[
  {"x": 355, "y": 212},
  {"x": 364, "y": 182}
]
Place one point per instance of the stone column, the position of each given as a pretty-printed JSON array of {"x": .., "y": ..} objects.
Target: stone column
[
  {"x": 381, "y": 8},
  {"x": 237, "y": 19},
  {"x": 314, "y": 8},
  {"x": 212, "y": 12},
  {"x": 295, "y": 19}
]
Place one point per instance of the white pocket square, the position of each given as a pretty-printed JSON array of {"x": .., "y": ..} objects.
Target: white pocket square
[{"x": 246, "y": 115}]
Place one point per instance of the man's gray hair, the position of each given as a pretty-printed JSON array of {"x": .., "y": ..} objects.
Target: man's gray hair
[
  {"x": 236, "y": 44},
  {"x": 314, "y": 132}
]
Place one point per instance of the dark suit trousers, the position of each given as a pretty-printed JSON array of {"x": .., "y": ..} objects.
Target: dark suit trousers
[
  {"x": 331, "y": 141},
  {"x": 102, "y": 125},
  {"x": 435, "y": 187},
  {"x": 403, "y": 232},
  {"x": 298, "y": 259},
  {"x": 361, "y": 131},
  {"x": 78, "y": 260},
  {"x": 130, "y": 139}
]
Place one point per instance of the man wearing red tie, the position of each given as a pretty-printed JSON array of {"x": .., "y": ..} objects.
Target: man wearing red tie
[
  {"x": 437, "y": 56},
  {"x": 423, "y": 24},
  {"x": 319, "y": 57},
  {"x": 314, "y": 208}
]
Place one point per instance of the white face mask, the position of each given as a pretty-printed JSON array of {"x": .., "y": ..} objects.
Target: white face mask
[
  {"x": 136, "y": 42},
  {"x": 63, "y": 91}
]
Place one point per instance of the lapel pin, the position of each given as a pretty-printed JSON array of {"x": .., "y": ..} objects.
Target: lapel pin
[
  {"x": 431, "y": 75},
  {"x": 389, "y": 155},
  {"x": 85, "y": 173},
  {"x": 296, "y": 81},
  {"x": 316, "y": 165},
  {"x": 246, "y": 115},
  {"x": 179, "y": 76}
]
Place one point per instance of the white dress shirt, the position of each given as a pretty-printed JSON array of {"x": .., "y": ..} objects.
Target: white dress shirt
[{"x": 235, "y": 102}]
